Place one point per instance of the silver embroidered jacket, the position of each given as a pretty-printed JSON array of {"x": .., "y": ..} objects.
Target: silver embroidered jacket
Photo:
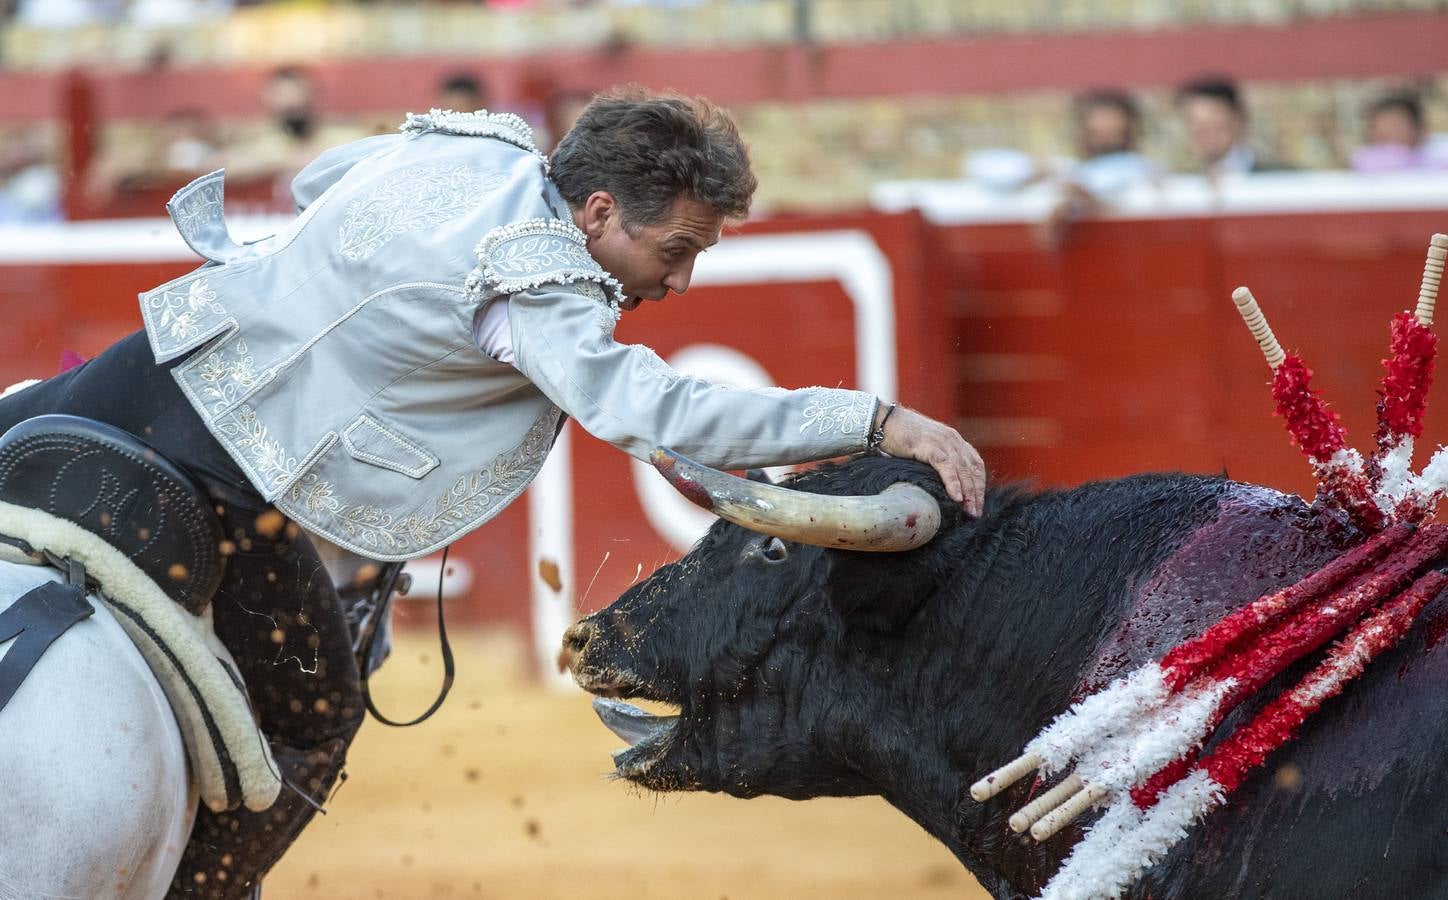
[{"x": 335, "y": 360}]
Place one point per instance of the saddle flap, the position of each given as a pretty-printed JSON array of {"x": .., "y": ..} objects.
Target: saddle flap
[{"x": 109, "y": 483}]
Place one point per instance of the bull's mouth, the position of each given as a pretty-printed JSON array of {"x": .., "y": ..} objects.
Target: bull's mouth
[{"x": 648, "y": 736}]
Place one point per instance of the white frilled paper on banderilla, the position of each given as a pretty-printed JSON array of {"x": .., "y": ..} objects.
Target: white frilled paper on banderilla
[
  {"x": 1126, "y": 840},
  {"x": 1156, "y": 739},
  {"x": 1116, "y": 740},
  {"x": 1092, "y": 719},
  {"x": 1122, "y": 735}
]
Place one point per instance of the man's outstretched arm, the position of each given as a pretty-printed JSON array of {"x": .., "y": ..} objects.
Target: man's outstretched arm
[{"x": 626, "y": 395}]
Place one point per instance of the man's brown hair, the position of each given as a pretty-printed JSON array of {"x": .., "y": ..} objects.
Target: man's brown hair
[{"x": 648, "y": 149}]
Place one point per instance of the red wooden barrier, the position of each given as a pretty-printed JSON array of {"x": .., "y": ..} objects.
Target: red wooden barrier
[{"x": 1123, "y": 352}]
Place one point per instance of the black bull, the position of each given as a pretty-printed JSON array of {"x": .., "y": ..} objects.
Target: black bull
[{"x": 804, "y": 672}]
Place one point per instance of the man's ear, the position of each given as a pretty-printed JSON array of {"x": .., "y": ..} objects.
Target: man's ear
[{"x": 598, "y": 209}]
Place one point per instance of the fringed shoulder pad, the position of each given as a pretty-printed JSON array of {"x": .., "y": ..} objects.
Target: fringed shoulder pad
[
  {"x": 507, "y": 127},
  {"x": 536, "y": 252}
]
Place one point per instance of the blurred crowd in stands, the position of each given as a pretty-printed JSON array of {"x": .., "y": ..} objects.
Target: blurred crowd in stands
[
  {"x": 1217, "y": 127},
  {"x": 1208, "y": 126},
  {"x": 260, "y": 156},
  {"x": 70, "y": 13}
]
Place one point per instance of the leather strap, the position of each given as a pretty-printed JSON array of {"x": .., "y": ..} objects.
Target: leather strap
[
  {"x": 449, "y": 669},
  {"x": 35, "y": 620}
]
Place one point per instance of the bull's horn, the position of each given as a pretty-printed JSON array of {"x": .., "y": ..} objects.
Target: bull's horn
[{"x": 901, "y": 517}]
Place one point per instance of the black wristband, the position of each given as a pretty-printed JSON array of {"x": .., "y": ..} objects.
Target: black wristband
[{"x": 877, "y": 436}]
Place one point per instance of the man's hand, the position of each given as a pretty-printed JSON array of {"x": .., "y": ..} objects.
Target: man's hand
[{"x": 910, "y": 435}]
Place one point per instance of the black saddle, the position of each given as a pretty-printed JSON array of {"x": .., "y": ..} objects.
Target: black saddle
[{"x": 110, "y": 483}]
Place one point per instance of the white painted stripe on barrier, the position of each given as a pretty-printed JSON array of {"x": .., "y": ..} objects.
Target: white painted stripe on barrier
[
  {"x": 850, "y": 257},
  {"x": 117, "y": 240},
  {"x": 550, "y": 539}
]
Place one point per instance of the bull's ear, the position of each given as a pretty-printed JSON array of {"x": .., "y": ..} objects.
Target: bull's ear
[{"x": 880, "y": 591}]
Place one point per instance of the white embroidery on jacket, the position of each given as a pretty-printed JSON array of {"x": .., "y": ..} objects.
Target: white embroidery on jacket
[
  {"x": 469, "y": 498},
  {"x": 227, "y": 374},
  {"x": 315, "y": 494},
  {"x": 507, "y": 127},
  {"x": 835, "y": 410},
  {"x": 180, "y": 312},
  {"x": 267, "y": 457},
  {"x": 413, "y": 199},
  {"x": 651, "y": 361},
  {"x": 606, "y": 314}
]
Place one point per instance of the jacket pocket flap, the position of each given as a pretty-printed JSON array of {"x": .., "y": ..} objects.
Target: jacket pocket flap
[{"x": 372, "y": 442}]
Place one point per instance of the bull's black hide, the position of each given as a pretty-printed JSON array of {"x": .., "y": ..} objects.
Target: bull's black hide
[{"x": 804, "y": 672}]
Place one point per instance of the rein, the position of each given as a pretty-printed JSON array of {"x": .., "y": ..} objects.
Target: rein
[{"x": 369, "y": 647}]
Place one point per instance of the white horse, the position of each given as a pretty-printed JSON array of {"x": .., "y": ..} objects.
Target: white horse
[
  {"x": 98, "y": 801},
  {"x": 99, "y": 790},
  {"x": 136, "y": 713}
]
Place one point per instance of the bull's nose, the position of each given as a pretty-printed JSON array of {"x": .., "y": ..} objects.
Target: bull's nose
[{"x": 574, "y": 640}]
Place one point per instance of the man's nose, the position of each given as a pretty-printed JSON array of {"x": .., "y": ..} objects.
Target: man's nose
[
  {"x": 574, "y": 640},
  {"x": 678, "y": 280}
]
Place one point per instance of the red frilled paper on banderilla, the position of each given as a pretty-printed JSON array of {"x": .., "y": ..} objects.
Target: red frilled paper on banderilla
[{"x": 1133, "y": 746}]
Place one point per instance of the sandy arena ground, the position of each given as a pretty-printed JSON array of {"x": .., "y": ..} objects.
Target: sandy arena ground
[{"x": 504, "y": 794}]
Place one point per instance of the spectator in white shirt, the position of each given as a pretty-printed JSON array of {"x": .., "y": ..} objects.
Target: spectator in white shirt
[
  {"x": 1217, "y": 128},
  {"x": 1108, "y": 127}
]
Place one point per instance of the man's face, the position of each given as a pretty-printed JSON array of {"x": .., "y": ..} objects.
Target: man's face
[
  {"x": 288, "y": 95},
  {"x": 1394, "y": 126},
  {"x": 648, "y": 260},
  {"x": 1213, "y": 127},
  {"x": 1104, "y": 129},
  {"x": 460, "y": 100}
]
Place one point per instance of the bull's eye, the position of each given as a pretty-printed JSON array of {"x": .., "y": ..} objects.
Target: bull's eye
[{"x": 774, "y": 550}]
